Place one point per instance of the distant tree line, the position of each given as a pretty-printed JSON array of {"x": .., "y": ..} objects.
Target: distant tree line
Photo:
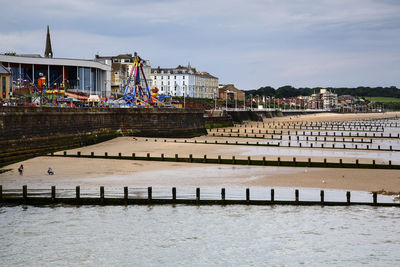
[{"x": 290, "y": 91}]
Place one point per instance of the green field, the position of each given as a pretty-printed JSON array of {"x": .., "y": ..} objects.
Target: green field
[{"x": 384, "y": 99}]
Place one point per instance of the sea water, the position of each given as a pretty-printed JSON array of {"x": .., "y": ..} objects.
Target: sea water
[{"x": 199, "y": 236}]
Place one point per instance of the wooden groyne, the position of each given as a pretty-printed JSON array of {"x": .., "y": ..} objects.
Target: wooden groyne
[
  {"x": 236, "y": 161},
  {"x": 24, "y": 198}
]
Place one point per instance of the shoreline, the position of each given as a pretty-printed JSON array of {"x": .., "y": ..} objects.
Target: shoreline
[{"x": 70, "y": 172}]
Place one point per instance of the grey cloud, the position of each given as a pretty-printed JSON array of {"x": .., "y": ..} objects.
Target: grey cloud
[{"x": 249, "y": 43}]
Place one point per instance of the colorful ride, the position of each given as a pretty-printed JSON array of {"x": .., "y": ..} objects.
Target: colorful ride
[{"x": 138, "y": 94}]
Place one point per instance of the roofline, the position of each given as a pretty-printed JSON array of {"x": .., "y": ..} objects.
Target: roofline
[{"x": 55, "y": 61}]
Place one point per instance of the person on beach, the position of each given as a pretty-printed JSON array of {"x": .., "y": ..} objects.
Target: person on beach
[
  {"x": 50, "y": 171},
  {"x": 21, "y": 169}
]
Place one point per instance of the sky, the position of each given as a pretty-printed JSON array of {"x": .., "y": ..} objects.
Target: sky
[{"x": 251, "y": 43}]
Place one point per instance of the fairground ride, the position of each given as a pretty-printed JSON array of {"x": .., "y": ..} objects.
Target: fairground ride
[{"x": 137, "y": 92}]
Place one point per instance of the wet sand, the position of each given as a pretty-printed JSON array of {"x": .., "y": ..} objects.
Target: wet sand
[{"x": 92, "y": 173}]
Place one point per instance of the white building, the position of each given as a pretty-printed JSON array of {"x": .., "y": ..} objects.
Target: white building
[
  {"x": 329, "y": 99},
  {"x": 323, "y": 100},
  {"x": 186, "y": 81}
]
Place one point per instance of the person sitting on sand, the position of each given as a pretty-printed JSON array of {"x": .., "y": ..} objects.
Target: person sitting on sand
[
  {"x": 50, "y": 171},
  {"x": 21, "y": 169}
]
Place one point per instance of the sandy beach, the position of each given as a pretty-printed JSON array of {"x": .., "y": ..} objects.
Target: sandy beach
[{"x": 92, "y": 173}]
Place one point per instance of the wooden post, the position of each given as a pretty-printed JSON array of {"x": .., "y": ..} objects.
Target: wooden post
[
  {"x": 162, "y": 156},
  {"x": 205, "y": 158},
  {"x": 106, "y": 154},
  {"x": 102, "y": 194},
  {"x": 357, "y": 163},
  {"x": 119, "y": 154},
  {"x": 279, "y": 161},
  {"x": 148, "y": 156},
  {"x": 176, "y": 157},
  {"x": 78, "y": 192},
  {"x": 219, "y": 159},
  {"x": 375, "y": 197},
  {"x": 341, "y": 162},
  {"x": 25, "y": 191},
  {"x": 126, "y": 194},
  {"x": 133, "y": 155},
  {"x": 223, "y": 194},
  {"x": 149, "y": 193},
  {"x": 53, "y": 192},
  {"x": 248, "y": 160},
  {"x": 348, "y": 195},
  {"x": 373, "y": 164},
  {"x": 325, "y": 162},
  {"x": 174, "y": 193},
  {"x": 272, "y": 195},
  {"x": 322, "y": 194},
  {"x": 296, "y": 193},
  {"x": 233, "y": 160},
  {"x": 247, "y": 194},
  {"x": 390, "y": 163},
  {"x": 294, "y": 161},
  {"x": 197, "y": 194},
  {"x": 190, "y": 158},
  {"x": 264, "y": 162},
  {"x": 309, "y": 162}
]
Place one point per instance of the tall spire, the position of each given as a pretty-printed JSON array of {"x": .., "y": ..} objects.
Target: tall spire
[{"x": 48, "y": 52}]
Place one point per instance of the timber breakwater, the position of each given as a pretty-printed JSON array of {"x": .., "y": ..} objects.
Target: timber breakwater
[{"x": 30, "y": 131}]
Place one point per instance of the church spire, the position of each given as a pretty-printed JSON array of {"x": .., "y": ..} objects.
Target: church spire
[{"x": 48, "y": 52}]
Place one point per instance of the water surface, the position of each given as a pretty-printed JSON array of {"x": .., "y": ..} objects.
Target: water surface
[{"x": 199, "y": 236}]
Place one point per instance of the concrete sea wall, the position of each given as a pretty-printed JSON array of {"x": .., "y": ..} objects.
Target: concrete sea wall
[
  {"x": 30, "y": 131},
  {"x": 247, "y": 115}
]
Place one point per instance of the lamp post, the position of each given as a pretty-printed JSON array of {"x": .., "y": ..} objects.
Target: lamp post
[
  {"x": 235, "y": 95},
  {"x": 215, "y": 100},
  {"x": 226, "y": 96},
  {"x": 258, "y": 101}
]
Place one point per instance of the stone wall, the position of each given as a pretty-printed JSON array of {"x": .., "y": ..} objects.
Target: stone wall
[
  {"x": 30, "y": 131},
  {"x": 22, "y": 122},
  {"x": 247, "y": 115}
]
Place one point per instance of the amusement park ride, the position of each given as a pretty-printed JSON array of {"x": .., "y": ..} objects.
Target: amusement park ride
[{"x": 137, "y": 92}]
